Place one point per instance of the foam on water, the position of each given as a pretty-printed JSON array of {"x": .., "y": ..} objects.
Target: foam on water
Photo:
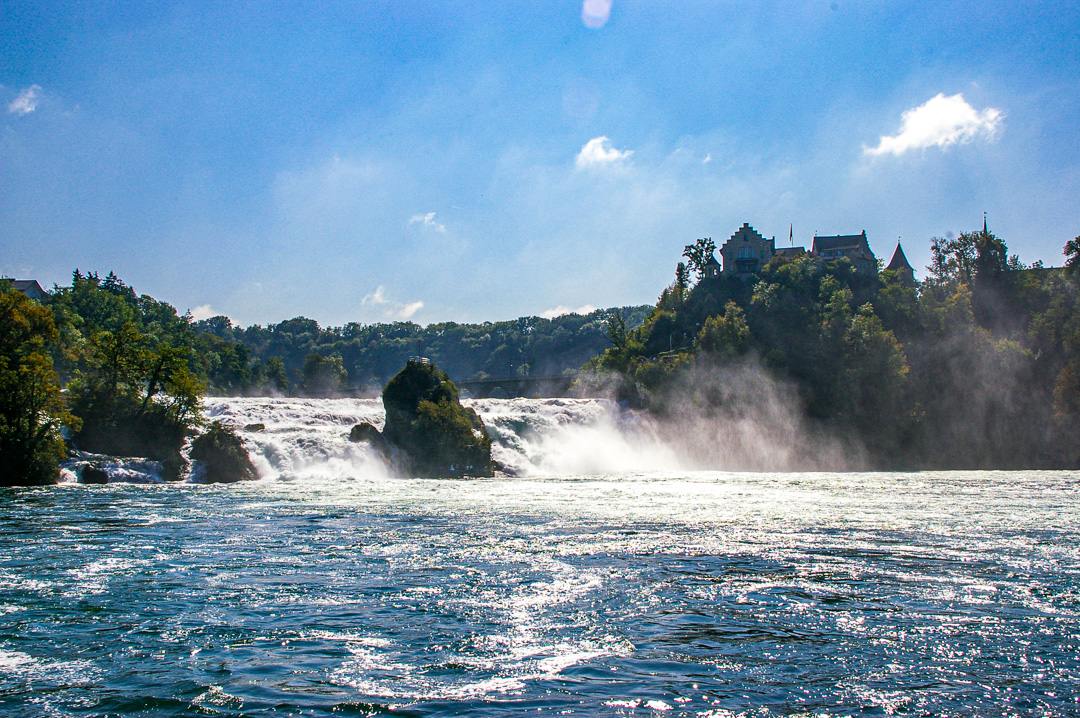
[{"x": 590, "y": 583}]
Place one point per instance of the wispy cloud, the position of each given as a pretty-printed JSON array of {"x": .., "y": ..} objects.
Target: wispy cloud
[
  {"x": 392, "y": 309},
  {"x": 598, "y": 152},
  {"x": 26, "y": 102},
  {"x": 204, "y": 311},
  {"x": 939, "y": 122},
  {"x": 595, "y": 13},
  {"x": 427, "y": 220},
  {"x": 561, "y": 310}
]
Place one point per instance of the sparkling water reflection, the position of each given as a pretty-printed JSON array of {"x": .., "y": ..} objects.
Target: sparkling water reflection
[{"x": 700, "y": 593}]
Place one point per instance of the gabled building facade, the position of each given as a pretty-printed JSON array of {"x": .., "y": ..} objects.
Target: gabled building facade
[{"x": 746, "y": 252}]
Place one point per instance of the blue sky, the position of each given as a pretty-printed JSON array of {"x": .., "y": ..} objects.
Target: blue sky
[{"x": 471, "y": 161}]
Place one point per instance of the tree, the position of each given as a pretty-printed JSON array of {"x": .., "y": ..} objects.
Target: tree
[
  {"x": 698, "y": 254},
  {"x": 136, "y": 396},
  {"x": 324, "y": 375},
  {"x": 1072, "y": 255},
  {"x": 31, "y": 406},
  {"x": 616, "y": 330},
  {"x": 682, "y": 278},
  {"x": 724, "y": 335},
  {"x": 952, "y": 261},
  {"x": 275, "y": 374}
]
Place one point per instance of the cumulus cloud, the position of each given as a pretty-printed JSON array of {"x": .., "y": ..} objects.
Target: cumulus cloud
[
  {"x": 595, "y": 13},
  {"x": 204, "y": 311},
  {"x": 26, "y": 102},
  {"x": 561, "y": 310},
  {"x": 428, "y": 220},
  {"x": 939, "y": 122},
  {"x": 598, "y": 152},
  {"x": 392, "y": 309}
]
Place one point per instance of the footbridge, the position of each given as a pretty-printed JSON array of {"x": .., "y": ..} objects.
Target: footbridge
[{"x": 532, "y": 386}]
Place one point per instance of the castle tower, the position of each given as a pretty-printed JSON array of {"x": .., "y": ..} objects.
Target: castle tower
[{"x": 900, "y": 265}]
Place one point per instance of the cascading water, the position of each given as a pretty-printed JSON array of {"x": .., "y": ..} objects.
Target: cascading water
[{"x": 293, "y": 439}]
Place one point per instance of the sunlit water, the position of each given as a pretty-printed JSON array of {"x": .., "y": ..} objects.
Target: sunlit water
[{"x": 594, "y": 582}]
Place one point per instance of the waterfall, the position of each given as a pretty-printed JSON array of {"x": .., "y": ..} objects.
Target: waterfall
[{"x": 298, "y": 439}]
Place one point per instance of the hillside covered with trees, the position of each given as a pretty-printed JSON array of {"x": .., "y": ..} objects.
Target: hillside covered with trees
[
  {"x": 298, "y": 356},
  {"x": 978, "y": 366}
]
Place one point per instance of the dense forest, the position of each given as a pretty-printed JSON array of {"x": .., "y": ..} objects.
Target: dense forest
[
  {"x": 978, "y": 366},
  {"x": 300, "y": 357}
]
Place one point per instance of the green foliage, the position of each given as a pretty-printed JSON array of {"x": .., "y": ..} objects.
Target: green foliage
[
  {"x": 372, "y": 353},
  {"x": 682, "y": 278},
  {"x": 324, "y": 376},
  {"x": 1072, "y": 255},
  {"x": 724, "y": 335},
  {"x": 275, "y": 374},
  {"x": 952, "y": 261},
  {"x": 223, "y": 454},
  {"x": 133, "y": 367},
  {"x": 135, "y": 397},
  {"x": 425, "y": 420},
  {"x": 698, "y": 254},
  {"x": 31, "y": 406}
]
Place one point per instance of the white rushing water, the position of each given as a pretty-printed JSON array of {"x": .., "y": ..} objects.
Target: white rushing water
[{"x": 308, "y": 438}]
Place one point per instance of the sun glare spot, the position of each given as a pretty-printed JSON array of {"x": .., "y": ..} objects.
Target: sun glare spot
[{"x": 595, "y": 13}]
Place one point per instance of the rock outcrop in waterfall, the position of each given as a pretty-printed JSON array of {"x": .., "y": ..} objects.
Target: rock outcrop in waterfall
[{"x": 435, "y": 435}]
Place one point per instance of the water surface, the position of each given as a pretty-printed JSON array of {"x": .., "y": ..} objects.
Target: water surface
[{"x": 348, "y": 592}]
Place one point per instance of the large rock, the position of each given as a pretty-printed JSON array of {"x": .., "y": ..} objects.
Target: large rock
[
  {"x": 366, "y": 433},
  {"x": 427, "y": 423},
  {"x": 223, "y": 456}
]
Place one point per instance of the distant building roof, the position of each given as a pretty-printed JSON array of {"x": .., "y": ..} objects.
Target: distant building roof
[
  {"x": 790, "y": 251},
  {"x": 29, "y": 287},
  {"x": 899, "y": 261},
  {"x": 840, "y": 241}
]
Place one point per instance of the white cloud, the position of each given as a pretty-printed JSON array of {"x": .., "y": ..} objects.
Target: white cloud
[
  {"x": 393, "y": 310},
  {"x": 598, "y": 151},
  {"x": 939, "y": 122},
  {"x": 376, "y": 297},
  {"x": 595, "y": 13},
  {"x": 204, "y": 311},
  {"x": 406, "y": 311},
  {"x": 561, "y": 310},
  {"x": 26, "y": 102},
  {"x": 428, "y": 220}
]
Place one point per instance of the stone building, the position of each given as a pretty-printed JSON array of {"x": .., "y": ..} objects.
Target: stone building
[
  {"x": 746, "y": 252},
  {"x": 853, "y": 246}
]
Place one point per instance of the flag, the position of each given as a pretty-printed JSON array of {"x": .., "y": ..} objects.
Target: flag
[{"x": 791, "y": 235}]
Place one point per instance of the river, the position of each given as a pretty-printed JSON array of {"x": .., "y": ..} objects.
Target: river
[{"x": 605, "y": 577}]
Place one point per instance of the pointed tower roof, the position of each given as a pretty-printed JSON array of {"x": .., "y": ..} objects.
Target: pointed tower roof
[{"x": 899, "y": 261}]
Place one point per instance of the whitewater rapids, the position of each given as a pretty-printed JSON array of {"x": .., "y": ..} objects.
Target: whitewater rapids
[{"x": 298, "y": 439}]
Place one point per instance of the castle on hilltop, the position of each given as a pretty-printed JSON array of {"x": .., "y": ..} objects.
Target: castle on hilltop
[{"x": 746, "y": 252}]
